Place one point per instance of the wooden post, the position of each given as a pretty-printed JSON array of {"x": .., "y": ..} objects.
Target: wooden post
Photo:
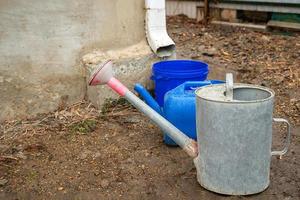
[{"x": 206, "y": 12}]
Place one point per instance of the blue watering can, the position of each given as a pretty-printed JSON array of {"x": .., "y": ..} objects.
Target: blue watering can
[{"x": 179, "y": 106}]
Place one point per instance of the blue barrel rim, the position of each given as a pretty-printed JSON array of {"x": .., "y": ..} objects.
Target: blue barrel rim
[
  {"x": 182, "y": 76},
  {"x": 179, "y": 68}
]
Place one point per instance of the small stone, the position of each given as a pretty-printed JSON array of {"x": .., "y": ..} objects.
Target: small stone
[
  {"x": 3, "y": 181},
  {"x": 201, "y": 48},
  {"x": 96, "y": 173},
  {"x": 129, "y": 160},
  {"x": 298, "y": 106},
  {"x": 104, "y": 183},
  {"x": 3, "y": 147},
  {"x": 131, "y": 134},
  {"x": 266, "y": 38},
  {"x": 226, "y": 44},
  {"x": 60, "y": 188},
  {"x": 84, "y": 154},
  {"x": 8, "y": 80},
  {"x": 279, "y": 80},
  {"x": 21, "y": 155},
  {"x": 210, "y": 52},
  {"x": 133, "y": 119},
  {"x": 265, "y": 84},
  {"x": 97, "y": 155},
  {"x": 195, "y": 56}
]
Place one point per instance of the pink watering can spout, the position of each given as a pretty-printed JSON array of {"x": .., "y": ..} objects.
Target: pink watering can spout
[{"x": 103, "y": 75}]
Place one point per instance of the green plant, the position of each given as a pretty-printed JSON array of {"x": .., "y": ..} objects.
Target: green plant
[{"x": 84, "y": 127}]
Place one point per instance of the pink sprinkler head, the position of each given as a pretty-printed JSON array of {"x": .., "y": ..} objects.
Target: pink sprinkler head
[{"x": 102, "y": 74}]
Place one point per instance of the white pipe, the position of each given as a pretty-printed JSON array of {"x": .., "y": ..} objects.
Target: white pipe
[{"x": 156, "y": 30}]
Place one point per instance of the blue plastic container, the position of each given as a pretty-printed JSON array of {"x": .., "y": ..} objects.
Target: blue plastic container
[
  {"x": 180, "y": 108},
  {"x": 169, "y": 74}
]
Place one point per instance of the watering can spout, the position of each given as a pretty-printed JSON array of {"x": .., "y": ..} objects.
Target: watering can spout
[
  {"x": 147, "y": 97},
  {"x": 103, "y": 75}
]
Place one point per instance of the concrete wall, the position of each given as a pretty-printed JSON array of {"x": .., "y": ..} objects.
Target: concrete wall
[{"x": 42, "y": 42}]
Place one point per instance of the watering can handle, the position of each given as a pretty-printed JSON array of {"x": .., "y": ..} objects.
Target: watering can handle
[
  {"x": 229, "y": 86},
  {"x": 193, "y": 85},
  {"x": 288, "y": 138}
]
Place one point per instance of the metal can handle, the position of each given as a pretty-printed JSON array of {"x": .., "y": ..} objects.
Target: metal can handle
[
  {"x": 229, "y": 86},
  {"x": 193, "y": 85},
  {"x": 288, "y": 138}
]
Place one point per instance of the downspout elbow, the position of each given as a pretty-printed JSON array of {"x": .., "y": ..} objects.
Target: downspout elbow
[{"x": 156, "y": 30}]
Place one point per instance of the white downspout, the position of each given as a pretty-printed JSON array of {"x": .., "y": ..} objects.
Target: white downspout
[{"x": 156, "y": 30}]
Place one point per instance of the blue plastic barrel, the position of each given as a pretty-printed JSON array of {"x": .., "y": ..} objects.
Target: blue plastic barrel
[{"x": 169, "y": 74}]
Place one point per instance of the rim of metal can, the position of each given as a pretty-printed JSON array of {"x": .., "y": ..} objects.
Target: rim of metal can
[{"x": 210, "y": 88}]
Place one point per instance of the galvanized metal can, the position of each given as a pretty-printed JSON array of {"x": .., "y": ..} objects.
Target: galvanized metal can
[{"x": 235, "y": 137}]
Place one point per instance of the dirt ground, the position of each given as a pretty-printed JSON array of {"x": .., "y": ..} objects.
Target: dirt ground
[{"x": 77, "y": 153}]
